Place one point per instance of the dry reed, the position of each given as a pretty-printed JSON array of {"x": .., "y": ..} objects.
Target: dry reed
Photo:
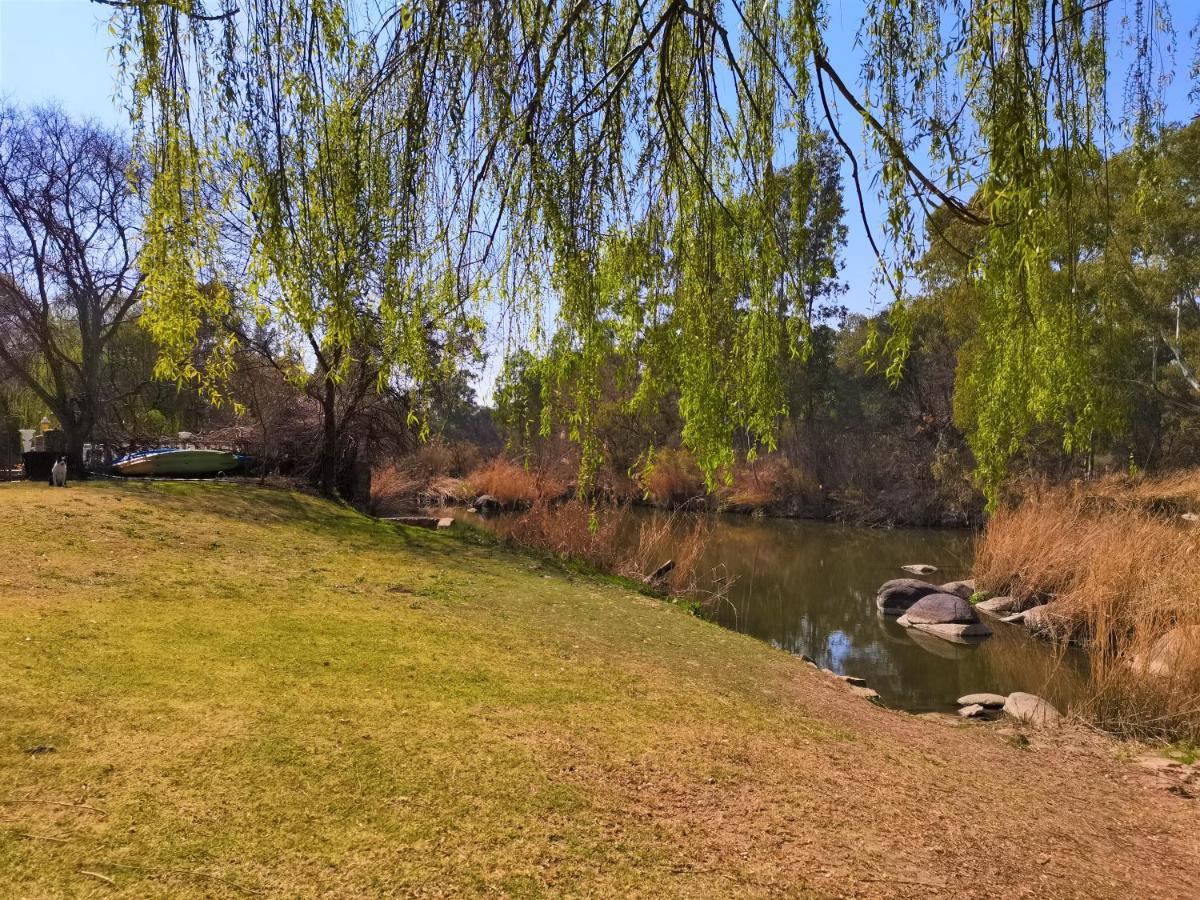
[
  {"x": 1122, "y": 574},
  {"x": 600, "y": 537}
]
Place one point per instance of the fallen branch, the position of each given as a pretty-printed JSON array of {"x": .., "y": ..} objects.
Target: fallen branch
[
  {"x": 102, "y": 877},
  {"x": 40, "y": 837},
  {"x": 191, "y": 873}
]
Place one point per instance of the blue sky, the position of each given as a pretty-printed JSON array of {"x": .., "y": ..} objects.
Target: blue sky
[{"x": 58, "y": 50}]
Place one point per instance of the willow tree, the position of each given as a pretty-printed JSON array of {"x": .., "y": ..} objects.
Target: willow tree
[
  {"x": 297, "y": 182},
  {"x": 575, "y": 142}
]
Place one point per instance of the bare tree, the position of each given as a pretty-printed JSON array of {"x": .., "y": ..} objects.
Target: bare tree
[{"x": 69, "y": 242}]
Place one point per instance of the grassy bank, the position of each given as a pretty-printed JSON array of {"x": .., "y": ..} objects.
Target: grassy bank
[
  {"x": 216, "y": 690},
  {"x": 1118, "y": 561}
]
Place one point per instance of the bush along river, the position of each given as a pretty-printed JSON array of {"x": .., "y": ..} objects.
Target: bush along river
[{"x": 809, "y": 588}]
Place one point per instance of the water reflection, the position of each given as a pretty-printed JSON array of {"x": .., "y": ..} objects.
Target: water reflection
[{"x": 809, "y": 587}]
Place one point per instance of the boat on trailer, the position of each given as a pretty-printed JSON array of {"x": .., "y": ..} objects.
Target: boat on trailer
[{"x": 175, "y": 462}]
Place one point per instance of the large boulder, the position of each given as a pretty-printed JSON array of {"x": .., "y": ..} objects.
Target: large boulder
[
  {"x": 964, "y": 589},
  {"x": 941, "y": 609},
  {"x": 1031, "y": 709},
  {"x": 897, "y": 595},
  {"x": 945, "y": 616}
]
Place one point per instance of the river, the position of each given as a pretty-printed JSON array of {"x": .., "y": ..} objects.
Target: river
[{"x": 809, "y": 588}]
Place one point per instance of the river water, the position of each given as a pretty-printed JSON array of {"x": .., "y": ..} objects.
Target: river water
[{"x": 809, "y": 588}]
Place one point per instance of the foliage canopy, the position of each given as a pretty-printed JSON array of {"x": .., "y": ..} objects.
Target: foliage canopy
[{"x": 619, "y": 164}]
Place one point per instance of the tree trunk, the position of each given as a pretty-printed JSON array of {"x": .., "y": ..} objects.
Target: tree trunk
[{"x": 329, "y": 449}]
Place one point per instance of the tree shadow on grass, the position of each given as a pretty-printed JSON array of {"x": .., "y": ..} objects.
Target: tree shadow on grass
[{"x": 267, "y": 505}]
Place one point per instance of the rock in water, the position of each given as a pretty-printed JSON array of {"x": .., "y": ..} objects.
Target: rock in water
[
  {"x": 1031, "y": 709},
  {"x": 964, "y": 589},
  {"x": 920, "y": 569},
  {"x": 945, "y": 616},
  {"x": 941, "y": 609},
  {"x": 987, "y": 701},
  {"x": 897, "y": 595},
  {"x": 959, "y": 633}
]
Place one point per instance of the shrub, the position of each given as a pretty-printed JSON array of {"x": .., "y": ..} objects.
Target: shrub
[
  {"x": 392, "y": 489},
  {"x": 510, "y": 483},
  {"x": 673, "y": 478},
  {"x": 772, "y": 482}
]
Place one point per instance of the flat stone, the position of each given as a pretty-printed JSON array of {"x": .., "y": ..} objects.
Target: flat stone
[
  {"x": 961, "y": 634},
  {"x": 920, "y": 569},
  {"x": 443, "y": 524},
  {"x": 973, "y": 711},
  {"x": 988, "y": 701},
  {"x": 1031, "y": 709},
  {"x": 1000, "y": 606},
  {"x": 854, "y": 680},
  {"x": 866, "y": 693},
  {"x": 941, "y": 609}
]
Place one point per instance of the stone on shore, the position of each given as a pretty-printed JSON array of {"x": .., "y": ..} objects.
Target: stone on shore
[
  {"x": 1001, "y": 606},
  {"x": 1175, "y": 653},
  {"x": 897, "y": 595},
  {"x": 1031, "y": 709},
  {"x": 973, "y": 711},
  {"x": 1046, "y": 621},
  {"x": 988, "y": 701}
]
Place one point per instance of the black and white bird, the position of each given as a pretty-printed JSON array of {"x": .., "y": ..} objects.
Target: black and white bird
[{"x": 58, "y": 474}]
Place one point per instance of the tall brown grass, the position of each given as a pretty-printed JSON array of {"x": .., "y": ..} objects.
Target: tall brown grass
[
  {"x": 513, "y": 484},
  {"x": 673, "y": 478},
  {"x": 1122, "y": 575},
  {"x": 610, "y": 539}
]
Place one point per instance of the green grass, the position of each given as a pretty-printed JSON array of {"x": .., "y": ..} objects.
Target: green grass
[
  {"x": 242, "y": 674},
  {"x": 250, "y": 691}
]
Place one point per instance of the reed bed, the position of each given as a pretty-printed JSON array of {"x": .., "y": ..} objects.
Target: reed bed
[
  {"x": 599, "y": 537},
  {"x": 1120, "y": 568}
]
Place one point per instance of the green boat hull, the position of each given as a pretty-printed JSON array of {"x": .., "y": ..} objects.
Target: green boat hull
[{"x": 178, "y": 463}]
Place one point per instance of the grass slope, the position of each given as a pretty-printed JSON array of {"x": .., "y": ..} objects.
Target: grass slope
[{"x": 249, "y": 691}]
